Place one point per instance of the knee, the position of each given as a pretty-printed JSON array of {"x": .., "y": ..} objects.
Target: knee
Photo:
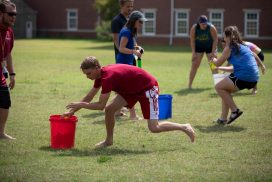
[
  {"x": 109, "y": 110},
  {"x": 154, "y": 129}
]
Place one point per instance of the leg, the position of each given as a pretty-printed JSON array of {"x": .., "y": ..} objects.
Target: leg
[
  {"x": 157, "y": 127},
  {"x": 225, "y": 111},
  {"x": 196, "y": 60},
  {"x": 224, "y": 90},
  {"x": 3, "y": 120},
  {"x": 117, "y": 103},
  {"x": 133, "y": 115},
  {"x": 254, "y": 90}
]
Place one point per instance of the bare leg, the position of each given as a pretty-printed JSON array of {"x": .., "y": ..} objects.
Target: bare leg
[
  {"x": 3, "y": 120},
  {"x": 224, "y": 90},
  {"x": 196, "y": 60},
  {"x": 117, "y": 103},
  {"x": 133, "y": 115},
  {"x": 157, "y": 127},
  {"x": 225, "y": 111}
]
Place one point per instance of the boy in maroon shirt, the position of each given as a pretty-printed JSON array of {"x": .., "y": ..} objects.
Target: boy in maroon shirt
[{"x": 132, "y": 84}]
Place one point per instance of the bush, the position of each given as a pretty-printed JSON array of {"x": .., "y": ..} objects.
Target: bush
[{"x": 103, "y": 31}]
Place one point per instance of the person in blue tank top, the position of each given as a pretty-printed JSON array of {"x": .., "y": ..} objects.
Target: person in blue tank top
[
  {"x": 203, "y": 38},
  {"x": 245, "y": 73}
]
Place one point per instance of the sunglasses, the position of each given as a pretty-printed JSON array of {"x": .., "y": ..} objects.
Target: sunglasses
[{"x": 11, "y": 13}]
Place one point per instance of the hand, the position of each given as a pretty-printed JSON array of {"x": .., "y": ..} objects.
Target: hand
[
  {"x": 74, "y": 106},
  {"x": 12, "y": 82},
  {"x": 68, "y": 114},
  {"x": 137, "y": 53}
]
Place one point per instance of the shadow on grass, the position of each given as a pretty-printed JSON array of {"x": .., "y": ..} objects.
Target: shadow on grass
[
  {"x": 187, "y": 91},
  {"x": 237, "y": 94},
  {"x": 93, "y": 152},
  {"x": 219, "y": 128}
]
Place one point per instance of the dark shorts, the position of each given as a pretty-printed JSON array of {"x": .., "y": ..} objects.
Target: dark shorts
[
  {"x": 261, "y": 56},
  {"x": 5, "y": 101},
  {"x": 200, "y": 49},
  {"x": 240, "y": 84}
]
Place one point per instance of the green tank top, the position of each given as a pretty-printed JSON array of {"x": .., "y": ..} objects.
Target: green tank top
[{"x": 203, "y": 38}]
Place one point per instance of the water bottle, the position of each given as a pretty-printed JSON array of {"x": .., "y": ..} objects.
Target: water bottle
[
  {"x": 213, "y": 67},
  {"x": 139, "y": 60}
]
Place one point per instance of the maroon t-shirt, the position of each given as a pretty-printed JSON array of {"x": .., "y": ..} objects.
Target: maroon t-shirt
[
  {"x": 124, "y": 79},
  {"x": 6, "y": 42}
]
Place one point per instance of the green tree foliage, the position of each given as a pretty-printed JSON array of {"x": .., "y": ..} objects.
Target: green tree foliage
[{"x": 107, "y": 9}]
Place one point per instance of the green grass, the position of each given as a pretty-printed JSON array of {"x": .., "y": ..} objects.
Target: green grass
[{"x": 48, "y": 78}]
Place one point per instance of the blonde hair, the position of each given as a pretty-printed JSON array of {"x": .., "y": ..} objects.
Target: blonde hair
[{"x": 90, "y": 62}]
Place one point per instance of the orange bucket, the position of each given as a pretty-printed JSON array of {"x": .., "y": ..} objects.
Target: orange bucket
[{"x": 62, "y": 131}]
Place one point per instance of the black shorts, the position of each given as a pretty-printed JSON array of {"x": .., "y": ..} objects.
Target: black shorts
[
  {"x": 200, "y": 49},
  {"x": 261, "y": 56},
  {"x": 5, "y": 101},
  {"x": 240, "y": 84}
]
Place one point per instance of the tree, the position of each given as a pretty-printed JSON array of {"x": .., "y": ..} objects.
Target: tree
[{"x": 107, "y": 9}]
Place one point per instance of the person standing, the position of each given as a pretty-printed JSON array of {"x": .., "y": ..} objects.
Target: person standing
[
  {"x": 127, "y": 43},
  {"x": 119, "y": 21},
  {"x": 7, "y": 19},
  {"x": 245, "y": 73},
  {"x": 203, "y": 38},
  {"x": 132, "y": 85}
]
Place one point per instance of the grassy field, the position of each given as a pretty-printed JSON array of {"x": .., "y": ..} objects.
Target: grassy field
[{"x": 48, "y": 78}]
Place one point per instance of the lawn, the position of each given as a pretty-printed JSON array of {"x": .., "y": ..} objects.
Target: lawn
[{"x": 48, "y": 78}]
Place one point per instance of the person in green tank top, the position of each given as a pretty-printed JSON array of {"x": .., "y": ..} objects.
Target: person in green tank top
[{"x": 203, "y": 38}]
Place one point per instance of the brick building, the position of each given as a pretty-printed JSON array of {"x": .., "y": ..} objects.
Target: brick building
[{"x": 169, "y": 20}]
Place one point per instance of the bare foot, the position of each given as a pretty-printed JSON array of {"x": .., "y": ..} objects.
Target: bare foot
[
  {"x": 6, "y": 137},
  {"x": 137, "y": 118},
  {"x": 103, "y": 144},
  {"x": 188, "y": 129}
]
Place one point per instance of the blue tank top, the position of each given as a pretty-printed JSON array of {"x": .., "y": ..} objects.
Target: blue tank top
[
  {"x": 126, "y": 58},
  {"x": 245, "y": 67},
  {"x": 203, "y": 38}
]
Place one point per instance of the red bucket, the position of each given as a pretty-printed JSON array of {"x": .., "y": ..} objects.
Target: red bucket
[{"x": 62, "y": 131}]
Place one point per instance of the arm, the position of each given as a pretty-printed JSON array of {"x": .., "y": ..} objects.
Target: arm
[
  {"x": 260, "y": 63},
  {"x": 11, "y": 71},
  {"x": 75, "y": 106},
  {"x": 224, "y": 56},
  {"x": 115, "y": 39},
  {"x": 225, "y": 68},
  {"x": 215, "y": 40},
  {"x": 123, "y": 49}
]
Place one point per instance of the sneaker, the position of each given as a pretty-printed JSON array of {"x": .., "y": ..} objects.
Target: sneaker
[
  {"x": 220, "y": 121},
  {"x": 234, "y": 115}
]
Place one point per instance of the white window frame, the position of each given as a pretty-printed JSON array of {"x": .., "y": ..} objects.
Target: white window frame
[
  {"x": 177, "y": 20},
  {"x": 154, "y": 11},
  {"x": 69, "y": 26},
  {"x": 246, "y": 21},
  {"x": 221, "y": 20}
]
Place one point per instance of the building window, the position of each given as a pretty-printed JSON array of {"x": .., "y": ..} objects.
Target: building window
[
  {"x": 72, "y": 19},
  {"x": 182, "y": 22},
  {"x": 149, "y": 27},
  {"x": 251, "y": 23},
  {"x": 216, "y": 17}
]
